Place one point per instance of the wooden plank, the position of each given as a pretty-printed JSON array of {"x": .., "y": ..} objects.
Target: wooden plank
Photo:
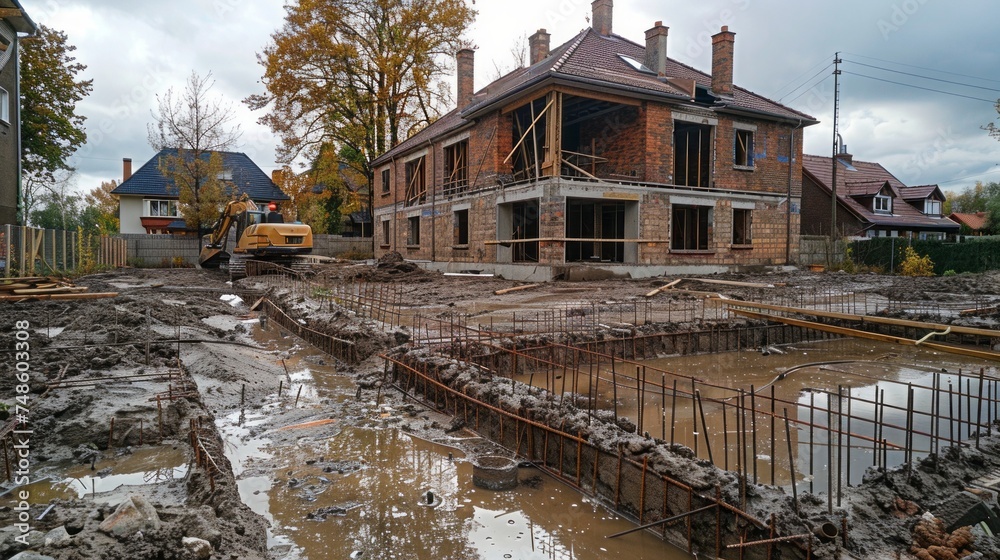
[
  {"x": 15, "y": 286},
  {"x": 60, "y": 297},
  {"x": 10, "y": 13},
  {"x": 516, "y": 289},
  {"x": 664, "y": 287},
  {"x": 733, "y": 283},
  {"x": 59, "y": 290},
  {"x": 846, "y": 331},
  {"x": 957, "y": 329}
]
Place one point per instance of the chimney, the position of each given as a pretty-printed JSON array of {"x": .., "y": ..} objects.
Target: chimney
[
  {"x": 539, "y": 45},
  {"x": 846, "y": 157},
  {"x": 722, "y": 62},
  {"x": 126, "y": 168},
  {"x": 656, "y": 49},
  {"x": 466, "y": 76},
  {"x": 603, "y": 14}
]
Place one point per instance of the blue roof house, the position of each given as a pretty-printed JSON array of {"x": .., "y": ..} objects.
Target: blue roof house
[{"x": 148, "y": 200}]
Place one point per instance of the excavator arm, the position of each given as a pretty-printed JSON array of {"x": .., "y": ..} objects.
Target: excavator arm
[{"x": 215, "y": 242}]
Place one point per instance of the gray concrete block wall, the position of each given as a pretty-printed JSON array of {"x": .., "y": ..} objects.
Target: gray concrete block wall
[
  {"x": 815, "y": 249},
  {"x": 153, "y": 251}
]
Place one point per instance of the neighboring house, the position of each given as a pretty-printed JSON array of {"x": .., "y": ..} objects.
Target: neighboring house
[
  {"x": 871, "y": 202},
  {"x": 604, "y": 153},
  {"x": 973, "y": 224},
  {"x": 14, "y": 23},
  {"x": 148, "y": 201}
]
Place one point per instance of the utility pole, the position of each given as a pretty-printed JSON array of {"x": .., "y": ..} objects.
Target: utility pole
[{"x": 836, "y": 148}]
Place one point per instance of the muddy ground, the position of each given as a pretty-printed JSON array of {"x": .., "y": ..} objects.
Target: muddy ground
[{"x": 89, "y": 341}]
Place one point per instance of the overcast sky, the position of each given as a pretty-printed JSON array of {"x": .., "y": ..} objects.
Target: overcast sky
[{"x": 135, "y": 49}]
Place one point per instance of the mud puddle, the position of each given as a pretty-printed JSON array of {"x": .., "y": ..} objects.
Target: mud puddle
[
  {"x": 332, "y": 489},
  {"x": 145, "y": 466},
  {"x": 805, "y": 379}
]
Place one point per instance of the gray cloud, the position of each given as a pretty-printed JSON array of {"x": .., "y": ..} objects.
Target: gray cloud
[{"x": 137, "y": 49}]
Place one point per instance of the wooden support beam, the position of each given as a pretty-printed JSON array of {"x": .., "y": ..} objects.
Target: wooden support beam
[
  {"x": 956, "y": 329},
  {"x": 40, "y": 297},
  {"x": 10, "y": 13},
  {"x": 664, "y": 287},
  {"x": 733, "y": 283},
  {"x": 846, "y": 331},
  {"x": 516, "y": 289}
]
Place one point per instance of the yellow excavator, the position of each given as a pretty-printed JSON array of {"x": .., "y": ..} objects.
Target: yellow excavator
[{"x": 259, "y": 235}]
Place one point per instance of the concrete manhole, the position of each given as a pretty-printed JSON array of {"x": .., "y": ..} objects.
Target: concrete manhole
[{"x": 493, "y": 472}]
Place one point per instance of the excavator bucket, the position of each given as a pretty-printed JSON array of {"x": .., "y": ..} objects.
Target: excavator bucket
[{"x": 212, "y": 257}]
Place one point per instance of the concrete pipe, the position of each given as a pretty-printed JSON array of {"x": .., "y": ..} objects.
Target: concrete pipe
[{"x": 493, "y": 472}]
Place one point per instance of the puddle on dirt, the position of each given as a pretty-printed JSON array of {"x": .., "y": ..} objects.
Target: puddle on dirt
[
  {"x": 146, "y": 465},
  {"x": 360, "y": 491},
  {"x": 369, "y": 485},
  {"x": 801, "y": 375}
]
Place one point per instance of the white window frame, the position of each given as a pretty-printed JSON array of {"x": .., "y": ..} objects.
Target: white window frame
[
  {"x": 147, "y": 208},
  {"x": 4, "y": 106},
  {"x": 932, "y": 207},
  {"x": 885, "y": 201}
]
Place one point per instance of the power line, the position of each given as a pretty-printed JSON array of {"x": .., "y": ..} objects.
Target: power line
[
  {"x": 827, "y": 67},
  {"x": 810, "y": 88},
  {"x": 991, "y": 101},
  {"x": 923, "y": 77},
  {"x": 925, "y": 68},
  {"x": 796, "y": 78},
  {"x": 969, "y": 177}
]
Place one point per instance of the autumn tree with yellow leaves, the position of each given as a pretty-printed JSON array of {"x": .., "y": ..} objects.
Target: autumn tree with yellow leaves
[{"x": 357, "y": 75}]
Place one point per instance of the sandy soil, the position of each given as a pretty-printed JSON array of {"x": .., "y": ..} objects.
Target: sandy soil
[{"x": 72, "y": 425}]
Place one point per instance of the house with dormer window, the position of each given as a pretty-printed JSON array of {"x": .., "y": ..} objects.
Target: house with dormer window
[
  {"x": 14, "y": 24},
  {"x": 871, "y": 201},
  {"x": 602, "y": 153},
  {"x": 148, "y": 201}
]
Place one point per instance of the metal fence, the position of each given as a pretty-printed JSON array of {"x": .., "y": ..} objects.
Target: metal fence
[{"x": 28, "y": 251}]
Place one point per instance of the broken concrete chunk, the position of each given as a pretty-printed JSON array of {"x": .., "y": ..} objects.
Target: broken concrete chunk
[
  {"x": 57, "y": 537},
  {"x": 29, "y": 555},
  {"x": 133, "y": 515},
  {"x": 197, "y": 548}
]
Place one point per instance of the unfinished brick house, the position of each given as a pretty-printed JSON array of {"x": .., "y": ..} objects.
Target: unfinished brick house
[{"x": 602, "y": 154}]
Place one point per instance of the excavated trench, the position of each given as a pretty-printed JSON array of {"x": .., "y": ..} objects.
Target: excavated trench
[{"x": 372, "y": 458}]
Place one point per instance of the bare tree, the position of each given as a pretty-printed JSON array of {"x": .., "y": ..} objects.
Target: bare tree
[
  {"x": 198, "y": 127},
  {"x": 518, "y": 58}
]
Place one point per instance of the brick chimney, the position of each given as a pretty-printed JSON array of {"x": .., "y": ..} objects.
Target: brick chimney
[
  {"x": 603, "y": 15},
  {"x": 126, "y": 168},
  {"x": 466, "y": 59},
  {"x": 722, "y": 61},
  {"x": 656, "y": 48},
  {"x": 539, "y": 45}
]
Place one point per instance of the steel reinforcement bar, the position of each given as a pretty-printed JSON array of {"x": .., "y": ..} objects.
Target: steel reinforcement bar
[
  {"x": 629, "y": 487},
  {"x": 339, "y": 348}
]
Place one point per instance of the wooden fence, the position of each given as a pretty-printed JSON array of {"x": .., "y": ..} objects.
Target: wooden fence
[{"x": 27, "y": 251}]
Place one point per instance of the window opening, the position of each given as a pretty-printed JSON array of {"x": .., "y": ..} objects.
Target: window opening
[
  {"x": 742, "y": 227},
  {"x": 416, "y": 182},
  {"x": 691, "y": 228},
  {"x": 692, "y": 151},
  {"x": 456, "y": 168},
  {"x": 744, "y": 148},
  {"x": 414, "y": 234}
]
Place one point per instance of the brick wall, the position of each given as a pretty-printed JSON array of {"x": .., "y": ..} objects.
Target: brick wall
[{"x": 635, "y": 139}]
